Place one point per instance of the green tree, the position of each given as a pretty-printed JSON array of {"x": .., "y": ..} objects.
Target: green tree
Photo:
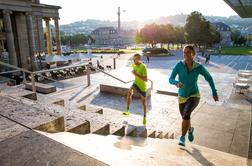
[
  {"x": 179, "y": 35},
  {"x": 149, "y": 34},
  {"x": 199, "y": 31},
  {"x": 237, "y": 38}
]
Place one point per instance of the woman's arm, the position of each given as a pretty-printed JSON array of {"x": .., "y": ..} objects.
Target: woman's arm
[
  {"x": 209, "y": 79},
  {"x": 173, "y": 75}
]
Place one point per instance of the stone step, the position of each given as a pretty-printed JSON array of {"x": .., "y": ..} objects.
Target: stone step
[
  {"x": 60, "y": 102},
  {"x": 117, "y": 129},
  {"x": 31, "y": 96},
  {"x": 82, "y": 127},
  {"x": 152, "y": 134},
  {"x": 99, "y": 128},
  {"x": 91, "y": 108},
  {"x": 54, "y": 126},
  {"x": 14, "y": 91},
  {"x": 41, "y": 88},
  {"x": 160, "y": 134},
  {"x": 141, "y": 132},
  {"x": 141, "y": 151},
  {"x": 29, "y": 115},
  {"x": 131, "y": 131}
]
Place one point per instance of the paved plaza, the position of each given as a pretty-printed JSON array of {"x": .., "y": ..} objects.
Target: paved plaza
[
  {"x": 228, "y": 121},
  {"x": 163, "y": 111}
]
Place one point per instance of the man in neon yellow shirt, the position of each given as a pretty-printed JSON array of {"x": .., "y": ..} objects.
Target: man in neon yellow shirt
[{"x": 139, "y": 85}]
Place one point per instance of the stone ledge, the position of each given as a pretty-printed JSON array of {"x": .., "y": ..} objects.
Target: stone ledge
[
  {"x": 41, "y": 88},
  {"x": 119, "y": 90}
]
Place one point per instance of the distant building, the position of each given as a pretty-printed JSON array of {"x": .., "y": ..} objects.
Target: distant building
[
  {"x": 249, "y": 36},
  {"x": 110, "y": 36},
  {"x": 225, "y": 33}
]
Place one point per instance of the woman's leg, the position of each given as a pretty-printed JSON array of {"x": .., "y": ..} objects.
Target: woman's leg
[
  {"x": 186, "y": 110},
  {"x": 186, "y": 125},
  {"x": 190, "y": 105}
]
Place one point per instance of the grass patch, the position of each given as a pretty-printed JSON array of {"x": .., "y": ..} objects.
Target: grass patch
[
  {"x": 106, "y": 51},
  {"x": 234, "y": 51},
  {"x": 160, "y": 55},
  {"x": 101, "y": 51}
]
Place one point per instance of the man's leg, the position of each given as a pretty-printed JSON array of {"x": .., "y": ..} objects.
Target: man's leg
[
  {"x": 129, "y": 97},
  {"x": 143, "y": 99}
]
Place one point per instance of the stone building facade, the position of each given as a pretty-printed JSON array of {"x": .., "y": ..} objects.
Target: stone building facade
[
  {"x": 225, "y": 33},
  {"x": 21, "y": 31},
  {"x": 110, "y": 36}
]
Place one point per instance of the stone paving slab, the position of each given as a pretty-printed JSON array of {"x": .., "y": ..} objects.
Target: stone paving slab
[
  {"x": 230, "y": 126},
  {"x": 9, "y": 129},
  {"x": 140, "y": 151},
  {"x": 31, "y": 148}
]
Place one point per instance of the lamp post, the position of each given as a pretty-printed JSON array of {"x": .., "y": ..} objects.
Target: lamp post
[{"x": 119, "y": 24}]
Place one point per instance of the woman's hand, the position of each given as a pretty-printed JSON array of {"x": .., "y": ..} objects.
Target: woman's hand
[
  {"x": 179, "y": 85},
  {"x": 216, "y": 98}
]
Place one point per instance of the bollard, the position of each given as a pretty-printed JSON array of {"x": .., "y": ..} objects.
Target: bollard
[
  {"x": 114, "y": 60},
  {"x": 24, "y": 79},
  {"x": 33, "y": 83},
  {"x": 88, "y": 76}
]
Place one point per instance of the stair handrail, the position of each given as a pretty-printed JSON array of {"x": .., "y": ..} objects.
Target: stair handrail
[
  {"x": 17, "y": 69},
  {"x": 125, "y": 82}
]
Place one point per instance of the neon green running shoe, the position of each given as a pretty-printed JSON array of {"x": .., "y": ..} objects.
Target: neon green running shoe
[
  {"x": 144, "y": 120},
  {"x": 127, "y": 113}
]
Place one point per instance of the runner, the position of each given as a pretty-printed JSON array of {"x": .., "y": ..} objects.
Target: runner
[
  {"x": 139, "y": 85},
  {"x": 188, "y": 71}
]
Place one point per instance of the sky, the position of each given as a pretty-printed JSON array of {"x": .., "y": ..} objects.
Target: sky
[{"x": 77, "y": 10}]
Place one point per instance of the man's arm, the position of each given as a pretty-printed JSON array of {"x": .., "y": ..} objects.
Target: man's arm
[{"x": 144, "y": 78}]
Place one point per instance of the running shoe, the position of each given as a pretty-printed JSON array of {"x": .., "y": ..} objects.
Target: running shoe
[
  {"x": 182, "y": 141},
  {"x": 191, "y": 135},
  {"x": 144, "y": 120},
  {"x": 127, "y": 113}
]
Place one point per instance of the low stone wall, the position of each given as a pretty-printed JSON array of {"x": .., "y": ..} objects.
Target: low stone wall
[{"x": 123, "y": 91}]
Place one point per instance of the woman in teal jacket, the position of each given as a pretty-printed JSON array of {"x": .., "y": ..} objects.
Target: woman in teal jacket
[{"x": 188, "y": 71}]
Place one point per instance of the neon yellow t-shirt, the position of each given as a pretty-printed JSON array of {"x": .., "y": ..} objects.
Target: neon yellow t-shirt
[{"x": 142, "y": 71}]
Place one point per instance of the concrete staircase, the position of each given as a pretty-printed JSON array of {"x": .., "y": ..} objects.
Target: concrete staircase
[
  {"x": 81, "y": 118},
  {"x": 86, "y": 129}
]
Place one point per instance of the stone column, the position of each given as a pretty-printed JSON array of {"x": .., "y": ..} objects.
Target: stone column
[
  {"x": 48, "y": 36},
  {"x": 31, "y": 40},
  {"x": 10, "y": 38},
  {"x": 57, "y": 35}
]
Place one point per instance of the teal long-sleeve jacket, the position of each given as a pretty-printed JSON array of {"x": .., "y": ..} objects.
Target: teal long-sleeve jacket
[{"x": 189, "y": 79}]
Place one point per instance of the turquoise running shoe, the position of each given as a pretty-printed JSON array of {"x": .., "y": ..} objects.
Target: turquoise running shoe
[
  {"x": 191, "y": 135},
  {"x": 182, "y": 141}
]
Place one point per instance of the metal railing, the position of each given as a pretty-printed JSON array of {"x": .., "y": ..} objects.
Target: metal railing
[
  {"x": 18, "y": 69},
  {"x": 121, "y": 79},
  {"x": 38, "y": 73}
]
